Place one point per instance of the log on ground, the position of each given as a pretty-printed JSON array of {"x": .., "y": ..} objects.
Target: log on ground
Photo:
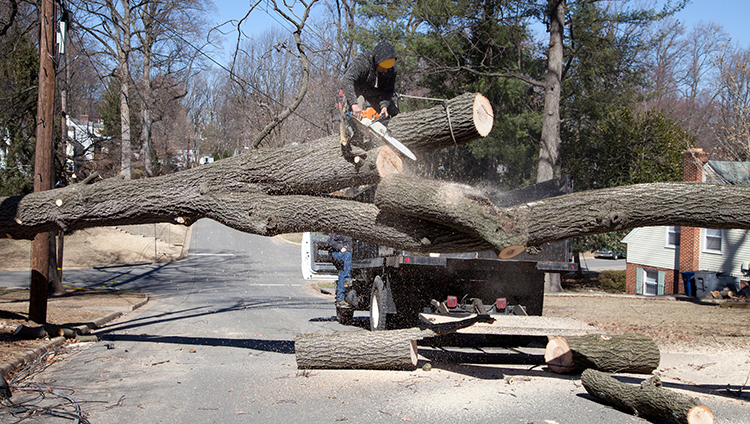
[
  {"x": 629, "y": 352},
  {"x": 649, "y": 399},
  {"x": 359, "y": 350}
]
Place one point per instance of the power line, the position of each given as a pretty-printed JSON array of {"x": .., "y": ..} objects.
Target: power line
[{"x": 237, "y": 77}]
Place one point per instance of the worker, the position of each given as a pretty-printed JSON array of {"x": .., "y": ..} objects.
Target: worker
[
  {"x": 341, "y": 253},
  {"x": 371, "y": 78}
]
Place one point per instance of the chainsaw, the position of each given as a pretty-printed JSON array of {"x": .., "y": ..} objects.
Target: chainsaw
[{"x": 373, "y": 124}]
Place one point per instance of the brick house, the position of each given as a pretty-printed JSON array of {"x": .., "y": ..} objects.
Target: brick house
[{"x": 657, "y": 255}]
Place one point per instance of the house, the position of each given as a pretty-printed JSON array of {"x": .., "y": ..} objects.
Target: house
[
  {"x": 657, "y": 256},
  {"x": 84, "y": 138}
]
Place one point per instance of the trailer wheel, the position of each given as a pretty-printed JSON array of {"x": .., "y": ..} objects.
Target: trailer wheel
[
  {"x": 345, "y": 315},
  {"x": 377, "y": 305}
]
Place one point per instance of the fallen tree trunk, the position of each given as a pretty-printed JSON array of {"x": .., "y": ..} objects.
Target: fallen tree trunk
[
  {"x": 269, "y": 192},
  {"x": 312, "y": 169},
  {"x": 629, "y": 352},
  {"x": 359, "y": 350},
  {"x": 648, "y": 399}
]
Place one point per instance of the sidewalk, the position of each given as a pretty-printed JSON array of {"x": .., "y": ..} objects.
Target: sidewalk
[{"x": 80, "y": 310}]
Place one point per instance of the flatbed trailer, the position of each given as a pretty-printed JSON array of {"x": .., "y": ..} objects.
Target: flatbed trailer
[{"x": 396, "y": 286}]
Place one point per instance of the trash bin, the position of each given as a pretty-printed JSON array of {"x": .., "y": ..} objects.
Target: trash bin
[
  {"x": 688, "y": 278},
  {"x": 706, "y": 282},
  {"x": 729, "y": 281}
]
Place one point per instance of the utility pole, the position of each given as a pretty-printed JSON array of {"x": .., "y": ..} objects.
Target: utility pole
[
  {"x": 63, "y": 40},
  {"x": 43, "y": 170}
]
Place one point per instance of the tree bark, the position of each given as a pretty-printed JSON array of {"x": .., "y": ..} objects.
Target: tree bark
[
  {"x": 43, "y": 158},
  {"x": 359, "y": 350},
  {"x": 274, "y": 191},
  {"x": 629, "y": 353},
  {"x": 123, "y": 75},
  {"x": 648, "y": 399},
  {"x": 549, "y": 152}
]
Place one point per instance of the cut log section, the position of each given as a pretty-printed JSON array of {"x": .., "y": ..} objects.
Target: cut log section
[
  {"x": 629, "y": 352},
  {"x": 359, "y": 350},
  {"x": 647, "y": 399},
  {"x": 29, "y": 333}
]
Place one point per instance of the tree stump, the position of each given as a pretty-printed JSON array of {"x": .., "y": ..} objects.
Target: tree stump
[
  {"x": 629, "y": 352},
  {"x": 359, "y": 350},
  {"x": 647, "y": 399}
]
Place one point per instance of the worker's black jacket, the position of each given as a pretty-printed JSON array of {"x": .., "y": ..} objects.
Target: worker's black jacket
[
  {"x": 338, "y": 242},
  {"x": 363, "y": 79}
]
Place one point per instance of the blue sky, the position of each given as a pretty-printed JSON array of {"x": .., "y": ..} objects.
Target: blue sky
[{"x": 731, "y": 14}]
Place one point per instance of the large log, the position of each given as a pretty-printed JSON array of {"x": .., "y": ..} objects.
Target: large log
[
  {"x": 313, "y": 168},
  {"x": 273, "y": 191},
  {"x": 359, "y": 350},
  {"x": 649, "y": 399},
  {"x": 629, "y": 352},
  {"x": 459, "y": 206}
]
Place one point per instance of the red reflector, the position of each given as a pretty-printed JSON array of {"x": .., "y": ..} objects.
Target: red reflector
[
  {"x": 501, "y": 303},
  {"x": 407, "y": 259},
  {"x": 451, "y": 301}
]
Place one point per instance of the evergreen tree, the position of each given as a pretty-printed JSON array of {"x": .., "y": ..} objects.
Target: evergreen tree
[{"x": 19, "y": 73}]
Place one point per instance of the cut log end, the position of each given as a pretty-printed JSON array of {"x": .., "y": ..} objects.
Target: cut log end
[
  {"x": 388, "y": 162},
  {"x": 558, "y": 356},
  {"x": 700, "y": 415},
  {"x": 415, "y": 352},
  {"x": 511, "y": 251},
  {"x": 484, "y": 118}
]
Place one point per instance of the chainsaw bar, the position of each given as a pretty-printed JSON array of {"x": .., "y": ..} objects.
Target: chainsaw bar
[{"x": 380, "y": 131}]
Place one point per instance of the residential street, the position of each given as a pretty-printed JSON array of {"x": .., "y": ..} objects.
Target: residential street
[{"x": 216, "y": 345}]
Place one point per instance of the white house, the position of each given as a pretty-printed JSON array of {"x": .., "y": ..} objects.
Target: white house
[
  {"x": 83, "y": 136},
  {"x": 657, "y": 256}
]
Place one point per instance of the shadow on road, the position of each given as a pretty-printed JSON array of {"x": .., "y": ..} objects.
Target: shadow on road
[
  {"x": 277, "y": 346},
  {"x": 726, "y": 390}
]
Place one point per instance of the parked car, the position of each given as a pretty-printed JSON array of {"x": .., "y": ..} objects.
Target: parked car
[{"x": 609, "y": 253}]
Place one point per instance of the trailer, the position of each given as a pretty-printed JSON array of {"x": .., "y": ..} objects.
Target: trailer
[{"x": 396, "y": 286}]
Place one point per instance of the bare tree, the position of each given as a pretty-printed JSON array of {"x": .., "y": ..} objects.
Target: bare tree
[
  {"x": 169, "y": 32},
  {"x": 110, "y": 23},
  {"x": 732, "y": 124},
  {"x": 683, "y": 68}
]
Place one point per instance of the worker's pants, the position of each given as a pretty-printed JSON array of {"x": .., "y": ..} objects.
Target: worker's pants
[{"x": 343, "y": 262}]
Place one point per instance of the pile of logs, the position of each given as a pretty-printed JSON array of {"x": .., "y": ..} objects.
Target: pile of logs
[{"x": 597, "y": 354}]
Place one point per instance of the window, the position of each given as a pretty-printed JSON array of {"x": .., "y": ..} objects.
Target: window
[
  {"x": 712, "y": 240},
  {"x": 673, "y": 237},
  {"x": 651, "y": 282}
]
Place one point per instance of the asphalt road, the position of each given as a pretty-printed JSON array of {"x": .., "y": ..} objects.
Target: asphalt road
[
  {"x": 602, "y": 264},
  {"x": 217, "y": 346}
]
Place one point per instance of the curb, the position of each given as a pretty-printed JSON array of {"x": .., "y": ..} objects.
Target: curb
[{"x": 32, "y": 354}]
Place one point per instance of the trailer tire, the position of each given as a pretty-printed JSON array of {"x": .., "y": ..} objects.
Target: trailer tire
[{"x": 378, "y": 300}]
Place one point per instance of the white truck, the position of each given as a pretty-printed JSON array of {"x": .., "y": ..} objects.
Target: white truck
[{"x": 396, "y": 285}]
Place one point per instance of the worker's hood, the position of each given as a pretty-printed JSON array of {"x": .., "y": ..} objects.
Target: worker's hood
[{"x": 384, "y": 50}]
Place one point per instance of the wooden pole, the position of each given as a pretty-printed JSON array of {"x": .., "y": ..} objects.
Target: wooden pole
[{"x": 43, "y": 171}]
